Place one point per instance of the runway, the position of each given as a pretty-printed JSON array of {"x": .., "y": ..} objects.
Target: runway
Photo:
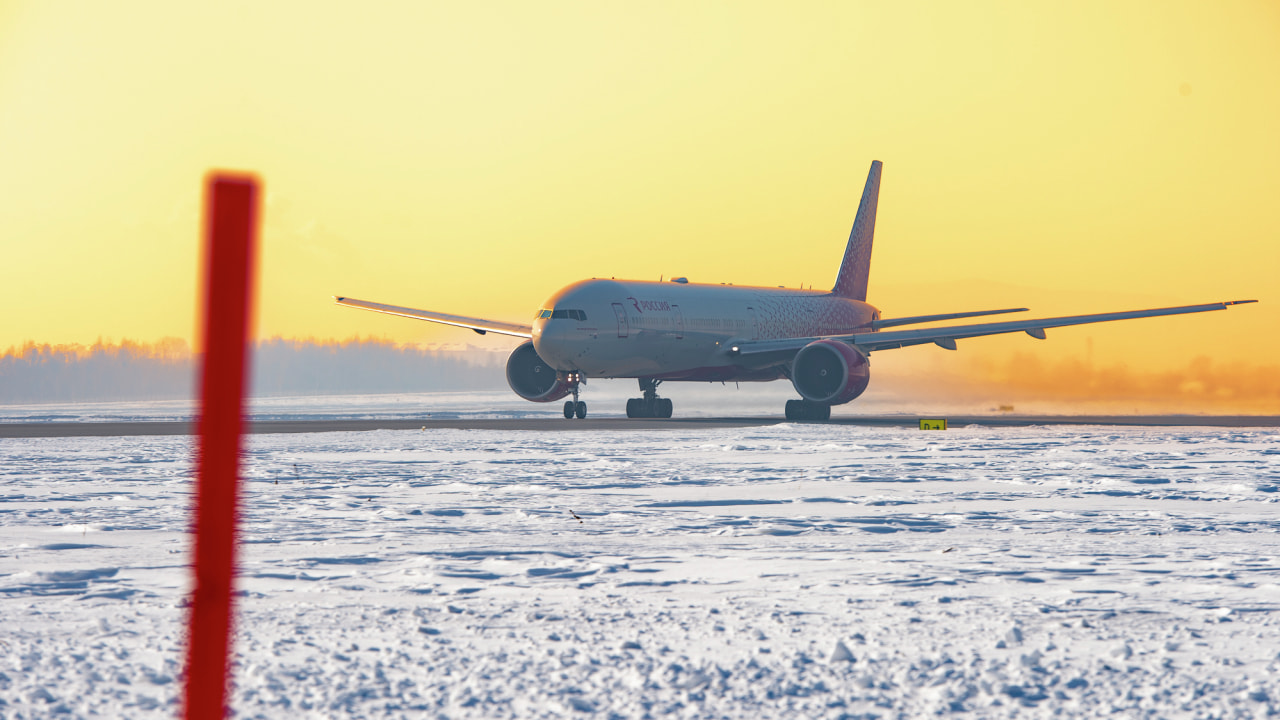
[{"x": 132, "y": 429}]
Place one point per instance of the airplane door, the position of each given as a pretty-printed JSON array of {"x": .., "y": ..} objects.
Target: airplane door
[
  {"x": 679, "y": 318},
  {"x": 755, "y": 324},
  {"x": 621, "y": 312}
]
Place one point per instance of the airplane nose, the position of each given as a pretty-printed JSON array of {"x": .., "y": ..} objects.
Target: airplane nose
[{"x": 551, "y": 340}]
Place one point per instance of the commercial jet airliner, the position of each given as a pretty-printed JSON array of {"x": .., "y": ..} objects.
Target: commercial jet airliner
[{"x": 677, "y": 330}]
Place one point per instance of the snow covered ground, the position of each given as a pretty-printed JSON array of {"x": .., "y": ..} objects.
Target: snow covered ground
[{"x": 785, "y": 571}]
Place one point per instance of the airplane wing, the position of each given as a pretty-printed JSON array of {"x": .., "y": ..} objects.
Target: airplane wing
[
  {"x": 477, "y": 324},
  {"x": 946, "y": 336},
  {"x": 895, "y": 322}
]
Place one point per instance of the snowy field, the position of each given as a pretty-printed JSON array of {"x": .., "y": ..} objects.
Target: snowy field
[{"x": 784, "y": 571}]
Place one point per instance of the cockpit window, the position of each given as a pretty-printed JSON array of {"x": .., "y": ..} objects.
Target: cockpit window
[
  {"x": 578, "y": 315},
  {"x": 561, "y": 314}
]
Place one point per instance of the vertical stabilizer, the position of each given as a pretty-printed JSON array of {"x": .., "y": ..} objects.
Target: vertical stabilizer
[{"x": 852, "y": 280}]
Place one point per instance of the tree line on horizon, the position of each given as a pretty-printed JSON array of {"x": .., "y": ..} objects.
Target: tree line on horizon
[{"x": 167, "y": 369}]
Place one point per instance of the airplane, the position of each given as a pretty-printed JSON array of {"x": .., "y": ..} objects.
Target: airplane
[{"x": 677, "y": 330}]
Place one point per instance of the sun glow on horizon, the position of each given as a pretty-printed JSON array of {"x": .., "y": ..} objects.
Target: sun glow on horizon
[{"x": 474, "y": 159}]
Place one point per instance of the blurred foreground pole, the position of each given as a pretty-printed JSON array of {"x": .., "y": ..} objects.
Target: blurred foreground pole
[{"x": 230, "y": 239}]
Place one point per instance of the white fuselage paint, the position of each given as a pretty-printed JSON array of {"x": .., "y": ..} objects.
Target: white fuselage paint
[{"x": 683, "y": 331}]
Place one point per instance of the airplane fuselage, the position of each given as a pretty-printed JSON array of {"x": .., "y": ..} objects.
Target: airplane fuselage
[{"x": 682, "y": 331}]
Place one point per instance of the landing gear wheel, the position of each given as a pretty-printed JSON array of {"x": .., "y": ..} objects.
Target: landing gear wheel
[
  {"x": 805, "y": 411},
  {"x": 569, "y": 407},
  {"x": 663, "y": 407},
  {"x": 581, "y": 410},
  {"x": 649, "y": 406},
  {"x": 793, "y": 410}
]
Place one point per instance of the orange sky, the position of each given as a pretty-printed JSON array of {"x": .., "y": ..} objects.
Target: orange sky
[{"x": 473, "y": 157}]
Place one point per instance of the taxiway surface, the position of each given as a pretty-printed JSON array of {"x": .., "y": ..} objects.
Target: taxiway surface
[{"x": 141, "y": 428}]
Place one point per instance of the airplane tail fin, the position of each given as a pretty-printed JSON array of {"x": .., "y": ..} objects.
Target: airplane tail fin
[{"x": 852, "y": 280}]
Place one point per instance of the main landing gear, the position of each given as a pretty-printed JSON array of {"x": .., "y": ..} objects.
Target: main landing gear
[
  {"x": 806, "y": 411},
  {"x": 575, "y": 408},
  {"x": 649, "y": 406}
]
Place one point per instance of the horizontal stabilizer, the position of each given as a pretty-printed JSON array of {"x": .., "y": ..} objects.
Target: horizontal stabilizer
[{"x": 477, "y": 324}]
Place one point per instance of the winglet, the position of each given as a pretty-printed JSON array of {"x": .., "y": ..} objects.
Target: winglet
[{"x": 854, "y": 271}]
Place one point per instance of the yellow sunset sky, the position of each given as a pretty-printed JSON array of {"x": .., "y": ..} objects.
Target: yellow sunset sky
[{"x": 474, "y": 157}]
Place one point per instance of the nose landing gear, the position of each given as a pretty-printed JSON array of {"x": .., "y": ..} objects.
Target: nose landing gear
[
  {"x": 575, "y": 408},
  {"x": 649, "y": 406}
]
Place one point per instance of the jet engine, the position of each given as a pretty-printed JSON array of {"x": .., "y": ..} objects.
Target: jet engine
[
  {"x": 533, "y": 379},
  {"x": 830, "y": 372}
]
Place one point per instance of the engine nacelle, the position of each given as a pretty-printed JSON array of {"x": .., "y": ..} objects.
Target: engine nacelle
[
  {"x": 533, "y": 379},
  {"x": 830, "y": 372}
]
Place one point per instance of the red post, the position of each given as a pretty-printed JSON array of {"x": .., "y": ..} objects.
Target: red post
[{"x": 230, "y": 239}]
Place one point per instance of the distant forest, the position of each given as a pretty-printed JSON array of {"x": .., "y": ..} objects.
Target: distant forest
[{"x": 167, "y": 370}]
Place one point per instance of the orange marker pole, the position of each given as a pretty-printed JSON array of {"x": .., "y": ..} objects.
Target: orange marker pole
[{"x": 230, "y": 240}]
